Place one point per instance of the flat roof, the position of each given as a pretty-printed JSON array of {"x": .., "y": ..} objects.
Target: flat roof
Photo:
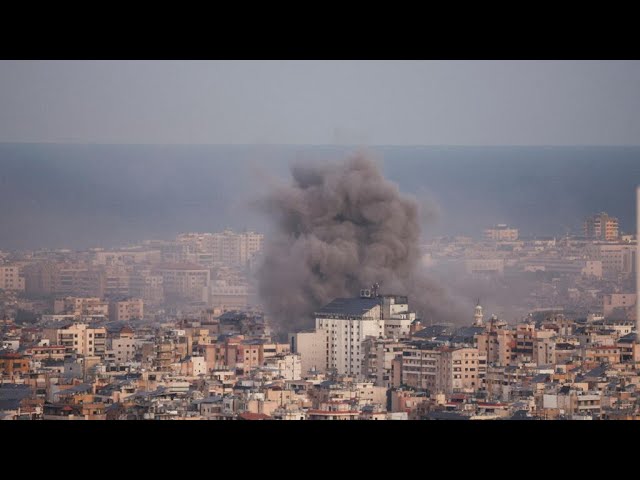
[{"x": 352, "y": 307}]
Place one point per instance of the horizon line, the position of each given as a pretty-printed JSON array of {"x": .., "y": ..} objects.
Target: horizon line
[{"x": 342, "y": 145}]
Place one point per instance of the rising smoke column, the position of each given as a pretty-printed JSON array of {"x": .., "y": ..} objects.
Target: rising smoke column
[{"x": 340, "y": 227}]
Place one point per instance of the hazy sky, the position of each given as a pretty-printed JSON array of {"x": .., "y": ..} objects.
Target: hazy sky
[{"x": 321, "y": 102}]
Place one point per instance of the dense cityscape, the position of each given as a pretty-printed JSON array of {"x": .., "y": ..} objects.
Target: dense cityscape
[
  {"x": 175, "y": 330},
  {"x": 295, "y": 239}
]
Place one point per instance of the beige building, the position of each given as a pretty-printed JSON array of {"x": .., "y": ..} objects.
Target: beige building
[
  {"x": 232, "y": 297},
  {"x": 497, "y": 343},
  {"x": 123, "y": 346},
  {"x": 147, "y": 285},
  {"x": 78, "y": 338},
  {"x": 227, "y": 248},
  {"x": 117, "y": 281},
  {"x": 443, "y": 369},
  {"x": 617, "y": 300},
  {"x": 312, "y": 347},
  {"x": 378, "y": 360},
  {"x": 617, "y": 258},
  {"x": 420, "y": 367},
  {"x": 461, "y": 370},
  {"x": 11, "y": 278},
  {"x": 185, "y": 281},
  {"x": 125, "y": 310},
  {"x": 544, "y": 348},
  {"x": 81, "y": 281},
  {"x": 42, "y": 278},
  {"x": 80, "y": 306}
]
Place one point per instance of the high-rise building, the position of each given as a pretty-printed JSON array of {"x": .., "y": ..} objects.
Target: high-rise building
[
  {"x": 81, "y": 281},
  {"x": 227, "y": 248},
  {"x": 343, "y": 325},
  {"x": 601, "y": 227},
  {"x": 185, "y": 281},
  {"x": 42, "y": 278},
  {"x": 443, "y": 369}
]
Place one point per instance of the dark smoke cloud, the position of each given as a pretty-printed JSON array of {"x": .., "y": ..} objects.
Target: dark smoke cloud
[{"x": 337, "y": 228}]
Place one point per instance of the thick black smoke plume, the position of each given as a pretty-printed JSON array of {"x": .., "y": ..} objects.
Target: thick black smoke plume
[{"x": 338, "y": 228}]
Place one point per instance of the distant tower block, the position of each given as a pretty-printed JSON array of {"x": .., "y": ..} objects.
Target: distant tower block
[{"x": 478, "y": 316}]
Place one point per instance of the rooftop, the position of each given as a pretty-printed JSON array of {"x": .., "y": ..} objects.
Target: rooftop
[{"x": 348, "y": 307}]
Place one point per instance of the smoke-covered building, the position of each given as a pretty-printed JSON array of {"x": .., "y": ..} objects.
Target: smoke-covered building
[{"x": 343, "y": 325}]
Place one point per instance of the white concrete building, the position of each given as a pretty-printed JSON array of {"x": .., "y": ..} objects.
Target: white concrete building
[{"x": 344, "y": 324}]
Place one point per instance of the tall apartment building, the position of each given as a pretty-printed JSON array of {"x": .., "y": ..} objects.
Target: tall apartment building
[
  {"x": 461, "y": 369},
  {"x": 501, "y": 233},
  {"x": 343, "y": 325},
  {"x": 420, "y": 367},
  {"x": 442, "y": 369},
  {"x": 41, "y": 278},
  {"x": 185, "y": 281},
  {"x": 601, "y": 227},
  {"x": 228, "y": 247},
  {"x": 11, "y": 278},
  {"x": 147, "y": 285},
  {"x": 379, "y": 354},
  {"x": 123, "y": 345},
  {"x": 117, "y": 281},
  {"x": 497, "y": 343},
  {"x": 81, "y": 281}
]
